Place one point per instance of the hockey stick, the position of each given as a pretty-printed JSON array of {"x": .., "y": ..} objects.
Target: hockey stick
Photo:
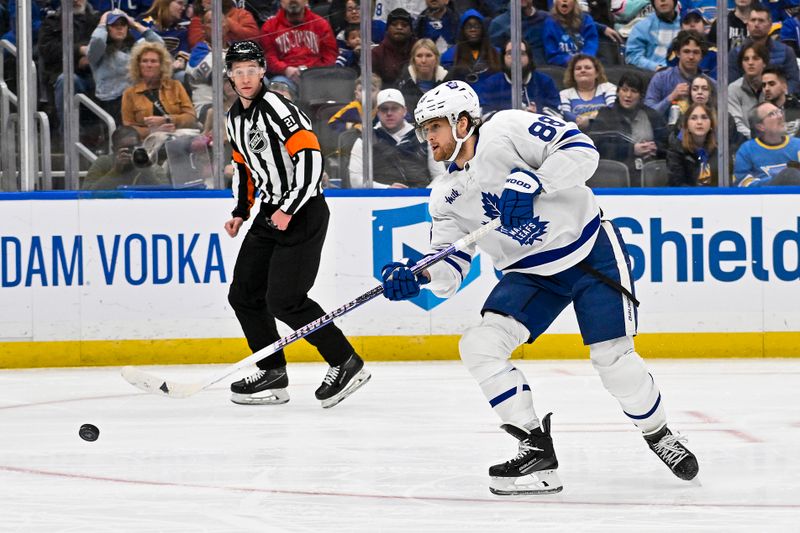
[{"x": 156, "y": 385}]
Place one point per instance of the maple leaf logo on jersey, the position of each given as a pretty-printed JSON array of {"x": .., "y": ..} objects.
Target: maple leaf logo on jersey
[{"x": 525, "y": 235}]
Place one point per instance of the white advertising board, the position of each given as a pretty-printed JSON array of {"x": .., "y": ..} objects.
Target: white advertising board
[{"x": 117, "y": 269}]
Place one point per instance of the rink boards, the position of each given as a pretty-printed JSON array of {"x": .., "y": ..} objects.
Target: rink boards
[{"x": 142, "y": 277}]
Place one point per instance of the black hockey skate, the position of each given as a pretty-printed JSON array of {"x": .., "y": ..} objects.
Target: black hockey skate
[
  {"x": 533, "y": 470},
  {"x": 670, "y": 449},
  {"x": 342, "y": 381},
  {"x": 262, "y": 388}
]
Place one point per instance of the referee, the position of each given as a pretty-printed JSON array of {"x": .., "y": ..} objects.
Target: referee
[{"x": 276, "y": 159}]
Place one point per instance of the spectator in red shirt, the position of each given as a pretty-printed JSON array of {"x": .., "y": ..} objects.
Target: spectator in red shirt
[
  {"x": 239, "y": 24},
  {"x": 296, "y": 38}
]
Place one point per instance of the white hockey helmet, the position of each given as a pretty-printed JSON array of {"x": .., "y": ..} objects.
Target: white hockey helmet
[{"x": 449, "y": 100}]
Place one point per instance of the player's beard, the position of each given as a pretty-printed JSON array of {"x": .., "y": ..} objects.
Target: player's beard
[{"x": 444, "y": 151}]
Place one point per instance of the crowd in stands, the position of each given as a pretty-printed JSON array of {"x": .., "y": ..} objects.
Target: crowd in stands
[{"x": 638, "y": 76}]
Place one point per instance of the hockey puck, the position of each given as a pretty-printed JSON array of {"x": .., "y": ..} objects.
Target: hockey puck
[{"x": 89, "y": 432}]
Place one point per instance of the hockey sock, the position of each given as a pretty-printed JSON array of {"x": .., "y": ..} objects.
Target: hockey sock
[
  {"x": 510, "y": 396},
  {"x": 625, "y": 376},
  {"x": 485, "y": 350}
]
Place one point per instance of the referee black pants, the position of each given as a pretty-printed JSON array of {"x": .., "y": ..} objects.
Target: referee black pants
[{"x": 273, "y": 274}]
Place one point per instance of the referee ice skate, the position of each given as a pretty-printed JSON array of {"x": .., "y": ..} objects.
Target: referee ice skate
[
  {"x": 554, "y": 249},
  {"x": 276, "y": 159}
]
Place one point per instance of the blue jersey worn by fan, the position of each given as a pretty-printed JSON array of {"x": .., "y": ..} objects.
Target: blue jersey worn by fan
[{"x": 553, "y": 249}]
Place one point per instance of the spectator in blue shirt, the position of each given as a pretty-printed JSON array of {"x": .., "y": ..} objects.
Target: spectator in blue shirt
[
  {"x": 650, "y": 38},
  {"x": 167, "y": 18},
  {"x": 350, "y": 49},
  {"x": 761, "y": 160},
  {"x": 473, "y": 58},
  {"x": 671, "y": 85},
  {"x": 532, "y": 29},
  {"x": 439, "y": 23},
  {"x": 693, "y": 20},
  {"x": 790, "y": 27},
  {"x": 11, "y": 16},
  {"x": 567, "y": 32},
  {"x": 539, "y": 92}
]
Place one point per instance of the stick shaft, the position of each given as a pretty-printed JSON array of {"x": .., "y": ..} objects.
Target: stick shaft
[
  {"x": 177, "y": 390},
  {"x": 326, "y": 319}
]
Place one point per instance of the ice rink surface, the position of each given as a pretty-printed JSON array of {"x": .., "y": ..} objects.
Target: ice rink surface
[{"x": 408, "y": 452}]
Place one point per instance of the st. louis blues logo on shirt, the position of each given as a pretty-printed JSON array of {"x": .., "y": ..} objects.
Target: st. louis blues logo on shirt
[
  {"x": 525, "y": 235},
  {"x": 257, "y": 141}
]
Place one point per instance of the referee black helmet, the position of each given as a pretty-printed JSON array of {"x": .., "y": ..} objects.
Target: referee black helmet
[{"x": 244, "y": 51}]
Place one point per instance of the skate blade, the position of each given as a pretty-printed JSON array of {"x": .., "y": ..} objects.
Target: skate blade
[
  {"x": 543, "y": 482},
  {"x": 356, "y": 383},
  {"x": 269, "y": 397}
]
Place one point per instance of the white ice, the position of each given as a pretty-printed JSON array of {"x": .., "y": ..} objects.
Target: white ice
[{"x": 409, "y": 452}]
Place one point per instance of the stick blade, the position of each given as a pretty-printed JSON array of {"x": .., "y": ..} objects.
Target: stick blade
[{"x": 155, "y": 385}]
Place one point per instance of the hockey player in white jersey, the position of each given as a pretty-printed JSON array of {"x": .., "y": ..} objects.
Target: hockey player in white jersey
[{"x": 554, "y": 249}]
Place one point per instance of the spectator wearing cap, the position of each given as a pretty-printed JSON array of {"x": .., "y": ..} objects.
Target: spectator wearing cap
[
  {"x": 737, "y": 24},
  {"x": 763, "y": 160},
  {"x": 394, "y": 51},
  {"x": 109, "y": 55},
  {"x": 650, "y": 38},
  {"x": 439, "y": 23},
  {"x": 399, "y": 159},
  {"x": 296, "y": 38},
  {"x": 382, "y": 9},
  {"x": 780, "y": 55},
  {"x": 693, "y": 20},
  {"x": 671, "y": 85}
]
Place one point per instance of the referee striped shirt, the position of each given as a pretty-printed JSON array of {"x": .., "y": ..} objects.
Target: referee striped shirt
[{"x": 276, "y": 156}]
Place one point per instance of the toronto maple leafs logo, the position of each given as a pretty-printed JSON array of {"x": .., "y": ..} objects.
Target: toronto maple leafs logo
[{"x": 525, "y": 235}]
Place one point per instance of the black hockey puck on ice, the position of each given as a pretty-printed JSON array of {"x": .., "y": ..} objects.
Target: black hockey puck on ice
[{"x": 89, "y": 432}]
